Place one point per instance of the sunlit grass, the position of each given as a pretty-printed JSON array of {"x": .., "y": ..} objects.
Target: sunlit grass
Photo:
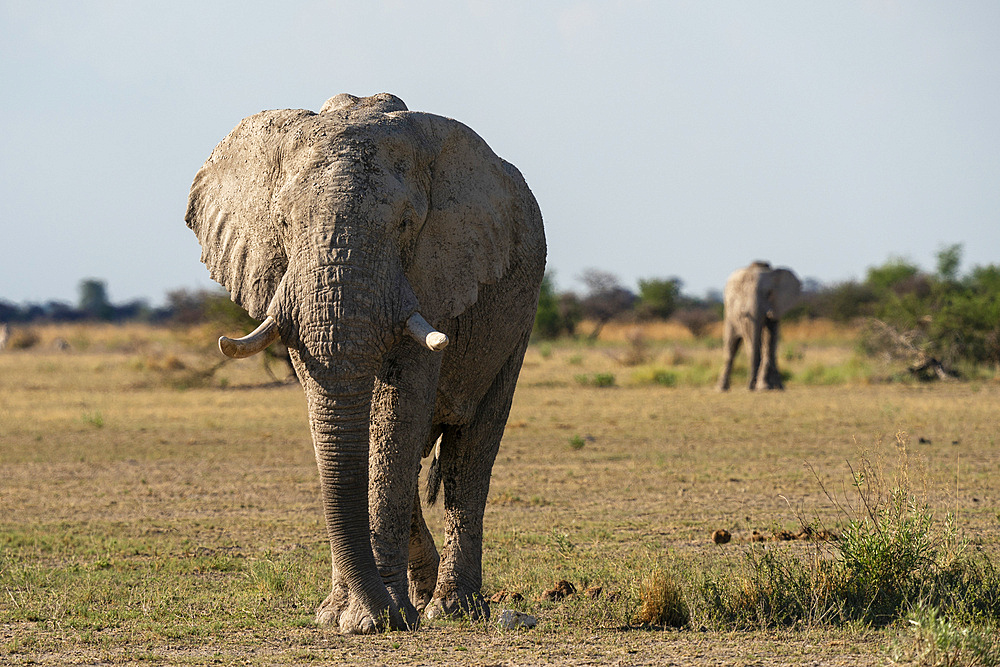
[{"x": 134, "y": 512}]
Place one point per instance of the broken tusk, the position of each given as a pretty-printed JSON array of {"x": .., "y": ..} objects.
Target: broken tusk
[
  {"x": 252, "y": 343},
  {"x": 425, "y": 334}
]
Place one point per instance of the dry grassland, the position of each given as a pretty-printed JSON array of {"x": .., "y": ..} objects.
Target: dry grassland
[{"x": 149, "y": 513}]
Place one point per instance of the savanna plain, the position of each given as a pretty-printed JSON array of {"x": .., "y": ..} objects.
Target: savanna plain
[{"x": 160, "y": 506}]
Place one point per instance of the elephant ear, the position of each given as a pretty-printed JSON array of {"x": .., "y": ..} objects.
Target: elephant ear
[
  {"x": 479, "y": 207},
  {"x": 784, "y": 292},
  {"x": 231, "y": 209}
]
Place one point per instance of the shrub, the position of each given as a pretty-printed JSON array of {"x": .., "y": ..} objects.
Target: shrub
[
  {"x": 557, "y": 314},
  {"x": 936, "y": 640},
  {"x": 892, "y": 557},
  {"x": 654, "y": 375},
  {"x": 636, "y": 349},
  {"x": 548, "y": 324},
  {"x": 697, "y": 320},
  {"x": 940, "y": 318},
  {"x": 23, "y": 339},
  {"x": 596, "y": 380},
  {"x": 887, "y": 555}
]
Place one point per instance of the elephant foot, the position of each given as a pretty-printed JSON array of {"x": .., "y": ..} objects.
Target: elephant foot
[
  {"x": 351, "y": 617},
  {"x": 421, "y": 591},
  {"x": 422, "y": 575},
  {"x": 472, "y": 606},
  {"x": 769, "y": 386}
]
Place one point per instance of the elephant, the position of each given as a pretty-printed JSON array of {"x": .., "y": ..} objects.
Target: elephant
[
  {"x": 755, "y": 299},
  {"x": 400, "y": 261}
]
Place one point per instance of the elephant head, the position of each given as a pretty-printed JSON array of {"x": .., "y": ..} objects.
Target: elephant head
[{"x": 345, "y": 231}]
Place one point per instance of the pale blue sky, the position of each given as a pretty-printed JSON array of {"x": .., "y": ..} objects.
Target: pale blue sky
[{"x": 660, "y": 138}]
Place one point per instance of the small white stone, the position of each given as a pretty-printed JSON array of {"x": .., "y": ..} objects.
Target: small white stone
[{"x": 512, "y": 620}]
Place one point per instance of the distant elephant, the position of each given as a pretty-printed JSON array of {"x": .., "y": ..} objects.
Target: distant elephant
[
  {"x": 368, "y": 238},
  {"x": 755, "y": 299}
]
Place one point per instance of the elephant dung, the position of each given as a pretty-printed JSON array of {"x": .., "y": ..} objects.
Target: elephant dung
[{"x": 721, "y": 536}]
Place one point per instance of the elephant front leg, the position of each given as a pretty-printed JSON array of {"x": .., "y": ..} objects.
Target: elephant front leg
[
  {"x": 731, "y": 345},
  {"x": 467, "y": 455},
  {"x": 401, "y": 420}
]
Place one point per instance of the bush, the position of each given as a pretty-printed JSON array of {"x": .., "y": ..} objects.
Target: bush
[
  {"x": 658, "y": 298},
  {"x": 936, "y": 640},
  {"x": 596, "y": 380},
  {"x": 23, "y": 339},
  {"x": 891, "y": 558},
  {"x": 697, "y": 320},
  {"x": 557, "y": 314}
]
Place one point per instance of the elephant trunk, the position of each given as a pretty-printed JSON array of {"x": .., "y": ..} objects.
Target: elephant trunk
[
  {"x": 339, "y": 420},
  {"x": 345, "y": 326}
]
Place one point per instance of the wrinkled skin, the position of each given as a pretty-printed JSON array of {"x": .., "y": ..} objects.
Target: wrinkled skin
[
  {"x": 340, "y": 225},
  {"x": 756, "y": 297}
]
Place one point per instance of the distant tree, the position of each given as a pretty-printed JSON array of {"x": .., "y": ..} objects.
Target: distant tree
[
  {"x": 10, "y": 312},
  {"x": 185, "y": 306},
  {"x": 57, "y": 311},
  {"x": 889, "y": 275},
  {"x": 94, "y": 299},
  {"x": 195, "y": 307},
  {"x": 984, "y": 279},
  {"x": 658, "y": 297},
  {"x": 948, "y": 261},
  {"x": 136, "y": 310},
  {"x": 557, "y": 314},
  {"x": 605, "y": 299},
  {"x": 570, "y": 311},
  {"x": 548, "y": 322},
  {"x": 842, "y": 302}
]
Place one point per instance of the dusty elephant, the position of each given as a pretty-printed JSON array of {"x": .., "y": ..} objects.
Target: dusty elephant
[
  {"x": 755, "y": 299},
  {"x": 369, "y": 238}
]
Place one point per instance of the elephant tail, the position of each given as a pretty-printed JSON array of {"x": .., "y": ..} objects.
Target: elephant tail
[{"x": 434, "y": 476}]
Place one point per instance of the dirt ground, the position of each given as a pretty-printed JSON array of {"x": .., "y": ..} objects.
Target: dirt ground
[{"x": 133, "y": 513}]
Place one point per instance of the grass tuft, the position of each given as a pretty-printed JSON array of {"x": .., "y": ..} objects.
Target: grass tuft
[
  {"x": 663, "y": 602},
  {"x": 935, "y": 640}
]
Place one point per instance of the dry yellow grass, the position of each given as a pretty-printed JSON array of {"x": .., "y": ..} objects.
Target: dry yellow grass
[
  {"x": 658, "y": 330},
  {"x": 142, "y": 520},
  {"x": 672, "y": 331}
]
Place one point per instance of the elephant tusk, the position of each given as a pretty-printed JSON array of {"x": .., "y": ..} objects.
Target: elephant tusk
[
  {"x": 425, "y": 334},
  {"x": 252, "y": 343}
]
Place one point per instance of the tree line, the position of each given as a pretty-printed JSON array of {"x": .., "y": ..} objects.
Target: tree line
[
  {"x": 943, "y": 315},
  {"x": 182, "y": 307}
]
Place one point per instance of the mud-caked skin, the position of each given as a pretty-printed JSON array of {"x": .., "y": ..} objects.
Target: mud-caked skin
[
  {"x": 755, "y": 299},
  {"x": 341, "y": 226}
]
